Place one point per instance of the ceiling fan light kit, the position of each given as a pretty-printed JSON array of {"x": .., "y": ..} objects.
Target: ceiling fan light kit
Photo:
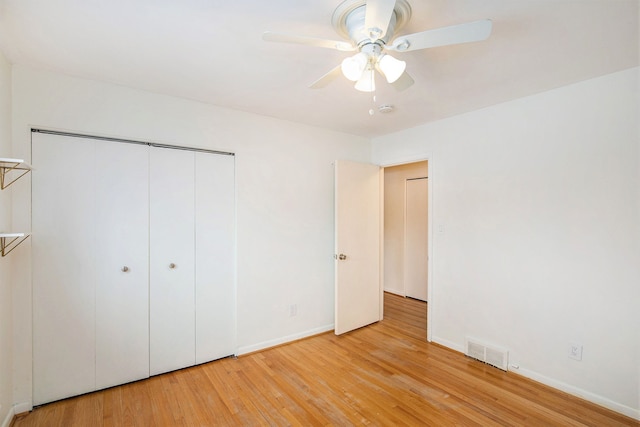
[
  {"x": 366, "y": 82},
  {"x": 391, "y": 67},
  {"x": 353, "y": 66},
  {"x": 370, "y": 26},
  {"x": 371, "y": 58}
]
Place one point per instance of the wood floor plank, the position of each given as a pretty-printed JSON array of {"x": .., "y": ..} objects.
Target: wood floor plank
[{"x": 384, "y": 374}]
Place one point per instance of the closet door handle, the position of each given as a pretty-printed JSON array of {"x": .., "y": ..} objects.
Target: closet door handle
[
  {"x": 172, "y": 266},
  {"x": 125, "y": 269}
]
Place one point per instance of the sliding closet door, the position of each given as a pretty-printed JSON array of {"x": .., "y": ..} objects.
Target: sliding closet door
[
  {"x": 122, "y": 273},
  {"x": 133, "y": 262},
  {"x": 215, "y": 256},
  {"x": 90, "y": 265},
  {"x": 64, "y": 258},
  {"x": 172, "y": 246}
]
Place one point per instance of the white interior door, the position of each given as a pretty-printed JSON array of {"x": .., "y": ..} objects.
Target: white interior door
[
  {"x": 215, "y": 256},
  {"x": 122, "y": 269},
  {"x": 63, "y": 254},
  {"x": 172, "y": 260},
  {"x": 358, "y": 291},
  {"x": 416, "y": 238}
]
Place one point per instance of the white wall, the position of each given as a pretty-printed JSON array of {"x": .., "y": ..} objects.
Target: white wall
[
  {"x": 284, "y": 178},
  {"x": 6, "y": 399},
  {"x": 538, "y": 203}
]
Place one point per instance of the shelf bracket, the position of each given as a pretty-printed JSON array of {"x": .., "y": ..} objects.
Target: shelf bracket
[
  {"x": 9, "y": 242},
  {"x": 10, "y": 165}
]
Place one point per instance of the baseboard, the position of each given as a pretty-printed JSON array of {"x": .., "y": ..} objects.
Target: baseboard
[
  {"x": 9, "y": 418},
  {"x": 395, "y": 292},
  {"x": 448, "y": 344},
  {"x": 559, "y": 385},
  {"x": 578, "y": 392},
  {"x": 20, "y": 408},
  {"x": 283, "y": 340}
]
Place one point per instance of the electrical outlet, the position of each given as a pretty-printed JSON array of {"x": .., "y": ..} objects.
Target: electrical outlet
[
  {"x": 575, "y": 351},
  {"x": 293, "y": 310}
]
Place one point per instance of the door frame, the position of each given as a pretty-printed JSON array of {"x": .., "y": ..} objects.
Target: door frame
[{"x": 431, "y": 285}]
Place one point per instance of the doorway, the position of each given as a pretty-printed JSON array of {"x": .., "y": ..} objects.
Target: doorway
[{"x": 406, "y": 238}]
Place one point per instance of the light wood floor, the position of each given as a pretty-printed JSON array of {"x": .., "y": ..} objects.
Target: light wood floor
[{"x": 382, "y": 375}]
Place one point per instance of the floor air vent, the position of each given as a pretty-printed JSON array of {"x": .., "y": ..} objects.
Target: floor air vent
[{"x": 494, "y": 356}]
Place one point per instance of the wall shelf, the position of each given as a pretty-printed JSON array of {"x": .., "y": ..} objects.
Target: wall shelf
[
  {"x": 9, "y": 241},
  {"x": 12, "y": 165}
]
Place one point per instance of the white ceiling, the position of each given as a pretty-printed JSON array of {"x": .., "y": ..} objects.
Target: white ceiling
[{"x": 212, "y": 51}]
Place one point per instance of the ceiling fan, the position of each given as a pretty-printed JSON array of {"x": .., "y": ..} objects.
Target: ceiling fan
[{"x": 370, "y": 26}]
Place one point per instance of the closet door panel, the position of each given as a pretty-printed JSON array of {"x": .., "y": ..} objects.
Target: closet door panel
[
  {"x": 122, "y": 280},
  {"x": 63, "y": 263},
  {"x": 172, "y": 290},
  {"x": 215, "y": 257}
]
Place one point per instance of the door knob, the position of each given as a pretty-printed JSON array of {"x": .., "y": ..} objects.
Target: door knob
[
  {"x": 125, "y": 269},
  {"x": 342, "y": 257},
  {"x": 172, "y": 266}
]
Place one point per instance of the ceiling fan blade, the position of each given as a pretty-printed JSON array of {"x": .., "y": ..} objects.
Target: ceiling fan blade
[
  {"x": 327, "y": 78},
  {"x": 462, "y": 33},
  {"x": 377, "y": 17},
  {"x": 271, "y": 36},
  {"x": 404, "y": 82}
]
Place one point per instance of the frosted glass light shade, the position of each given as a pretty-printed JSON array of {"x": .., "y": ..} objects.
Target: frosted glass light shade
[
  {"x": 353, "y": 66},
  {"x": 367, "y": 82},
  {"x": 391, "y": 67}
]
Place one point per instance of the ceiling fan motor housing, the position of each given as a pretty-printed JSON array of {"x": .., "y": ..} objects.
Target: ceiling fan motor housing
[{"x": 349, "y": 22}]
